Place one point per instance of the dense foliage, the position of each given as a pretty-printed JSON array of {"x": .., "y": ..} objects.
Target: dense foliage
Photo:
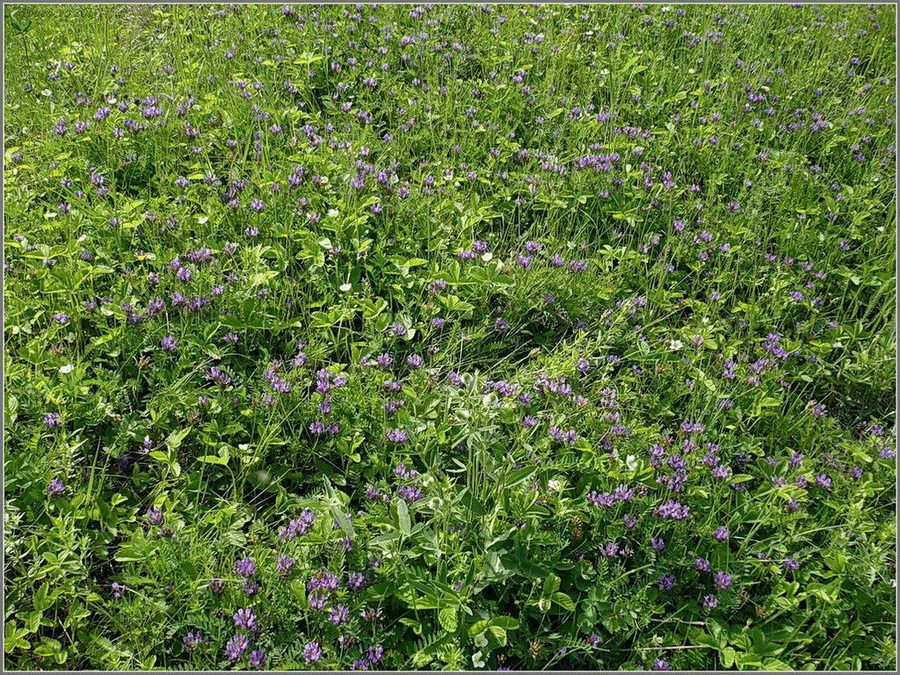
[{"x": 449, "y": 337}]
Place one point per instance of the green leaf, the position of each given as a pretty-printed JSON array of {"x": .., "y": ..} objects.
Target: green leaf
[
  {"x": 564, "y": 601},
  {"x": 403, "y": 516},
  {"x": 551, "y": 585},
  {"x": 298, "y": 588},
  {"x": 213, "y": 459},
  {"x": 448, "y": 619},
  {"x": 176, "y": 437},
  {"x": 506, "y": 622}
]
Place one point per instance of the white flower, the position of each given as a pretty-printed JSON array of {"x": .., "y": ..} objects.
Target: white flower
[
  {"x": 553, "y": 485},
  {"x": 480, "y": 641},
  {"x": 675, "y": 345},
  {"x": 476, "y": 660},
  {"x": 631, "y": 462}
]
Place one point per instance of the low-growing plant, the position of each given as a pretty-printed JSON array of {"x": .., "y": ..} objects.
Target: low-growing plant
[{"x": 449, "y": 337}]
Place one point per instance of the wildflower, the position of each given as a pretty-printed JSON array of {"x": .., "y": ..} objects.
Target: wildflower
[
  {"x": 374, "y": 654},
  {"x": 244, "y": 618},
  {"x": 55, "y": 488},
  {"x": 312, "y": 652},
  {"x": 245, "y": 567},
  {"x": 257, "y": 658},
  {"x": 236, "y": 646},
  {"x": 791, "y": 563},
  {"x": 339, "y": 615},
  {"x": 398, "y": 436},
  {"x": 722, "y": 580},
  {"x": 284, "y": 565},
  {"x": 192, "y": 641},
  {"x": 154, "y": 516}
]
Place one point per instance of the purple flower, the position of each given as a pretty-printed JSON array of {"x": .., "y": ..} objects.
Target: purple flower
[
  {"x": 409, "y": 494},
  {"x": 257, "y": 658},
  {"x": 666, "y": 582},
  {"x": 791, "y": 563},
  {"x": 236, "y": 647},
  {"x": 154, "y": 516},
  {"x": 721, "y": 533},
  {"x": 53, "y": 419},
  {"x": 318, "y": 600},
  {"x": 374, "y": 654},
  {"x": 245, "y": 568},
  {"x": 55, "y": 488},
  {"x": 192, "y": 641},
  {"x": 710, "y": 600},
  {"x": 339, "y": 615},
  {"x": 398, "y": 436},
  {"x": 118, "y": 589},
  {"x": 356, "y": 581},
  {"x": 661, "y": 664},
  {"x": 284, "y": 565},
  {"x": 702, "y": 565},
  {"x": 722, "y": 580},
  {"x": 244, "y": 618},
  {"x": 674, "y": 510},
  {"x": 312, "y": 652},
  {"x": 168, "y": 343}
]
